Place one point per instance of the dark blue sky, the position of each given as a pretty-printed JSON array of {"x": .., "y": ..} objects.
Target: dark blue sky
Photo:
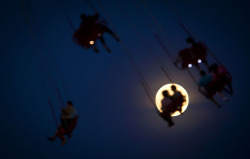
[{"x": 117, "y": 119}]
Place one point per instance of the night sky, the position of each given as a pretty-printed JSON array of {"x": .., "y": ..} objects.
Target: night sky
[{"x": 117, "y": 119}]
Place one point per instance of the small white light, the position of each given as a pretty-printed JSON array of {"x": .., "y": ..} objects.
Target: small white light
[
  {"x": 189, "y": 65},
  {"x": 91, "y": 42},
  {"x": 199, "y": 61}
]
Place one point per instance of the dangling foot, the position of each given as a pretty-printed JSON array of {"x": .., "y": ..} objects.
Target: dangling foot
[
  {"x": 109, "y": 51},
  {"x": 116, "y": 38},
  {"x": 51, "y": 138},
  {"x": 106, "y": 47},
  {"x": 170, "y": 124},
  {"x": 215, "y": 102},
  {"x": 96, "y": 50}
]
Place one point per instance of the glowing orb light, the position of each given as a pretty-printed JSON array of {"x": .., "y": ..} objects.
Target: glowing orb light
[
  {"x": 199, "y": 61},
  {"x": 91, "y": 42},
  {"x": 190, "y": 65},
  {"x": 167, "y": 87}
]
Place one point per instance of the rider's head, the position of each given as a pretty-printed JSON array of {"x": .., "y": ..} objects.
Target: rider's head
[
  {"x": 165, "y": 93},
  {"x": 69, "y": 103},
  {"x": 190, "y": 40},
  {"x": 173, "y": 87}
]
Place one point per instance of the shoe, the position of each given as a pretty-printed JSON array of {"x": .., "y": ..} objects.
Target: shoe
[
  {"x": 51, "y": 139},
  {"x": 171, "y": 124},
  {"x": 96, "y": 50}
]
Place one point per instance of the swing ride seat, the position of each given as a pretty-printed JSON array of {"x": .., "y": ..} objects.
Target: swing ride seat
[
  {"x": 91, "y": 32},
  {"x": 186, "y": 58},
  {"x": 72, "y": 125},
  {"x": 199, "y": 51},
  {"x": 66, "y": 131},
  {"x": 221, "y": 76},
  {"x": 217, "y": 85},
  {"x": 211, "y": 89},
  {"x": 176, "y": 105},
  {"x": 223, "y": 80}
]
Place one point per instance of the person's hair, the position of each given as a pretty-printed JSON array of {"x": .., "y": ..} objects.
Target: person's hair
[
  {"x": 165, "y": 93},
  {"x": 190, "y": 40},
  {"x": 173, "y": 87},
  {"x": 202, "y": 73},
  {"x": 70, "y": 102}
]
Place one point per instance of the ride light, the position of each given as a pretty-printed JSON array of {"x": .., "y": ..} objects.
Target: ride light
[
  {"x": 158, "y": 97},
  {"x": 190, "y": 65},
  {"x": 91, "y": 42},
  {"x": 199, "y": 61}
]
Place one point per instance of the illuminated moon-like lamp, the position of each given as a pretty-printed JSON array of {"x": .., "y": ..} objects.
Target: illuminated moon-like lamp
[
  {"x": 167, "y": 87},
  {"x": 199, "y": 61},
  {"x": 91, "y": 42},
  {"x": 190, "y": 65}
]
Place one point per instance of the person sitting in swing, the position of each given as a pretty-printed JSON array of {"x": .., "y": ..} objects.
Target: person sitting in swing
[
  {"x": 177, "y": 96},
  {"x": 185, "y": 59},
  {"x": 222, "y": 77},
  {"x": 166, "y": 113},
  {"x": 208, "y": 87},
  {"x": 97, "y": 27},
  {"x": 68, "y": 120},
  {"x": 199, "y": 51}
]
